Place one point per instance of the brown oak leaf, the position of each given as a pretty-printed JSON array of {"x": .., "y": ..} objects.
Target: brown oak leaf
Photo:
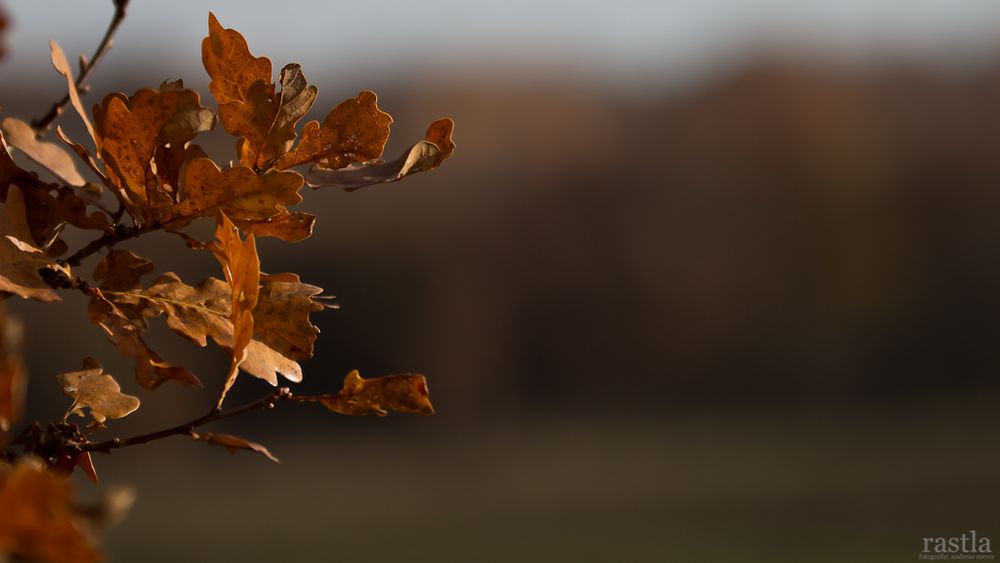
[
  {"x": 48, "y": 207},
  {"x": 204, "y": 311},
  {"x": 287, "y": 226},
  {"x": 20, "y": 261},
  {"x": 233, "y": 443},
  {"x": 53, "y": 157},
  {"x": 93, "y": 389},
  {"x": 62, "y": 66},
  {"x": 39, "y": 520},
  {"x": 229, "y": 63},
  {"x": 356, "y": 130},
  {"x": 126, "y": 334},
  {"x": 250, "y": 106},
  {"x": 142, "y": 139},
  {"x": 401, "y": 393},
  {"x": 281, "y": 318},
  {"x": 121, "y": 270},
  {"x": 241, "y": 266},
  {"x": 238, "y": 192},
  {"x": 421, "y": 157}
]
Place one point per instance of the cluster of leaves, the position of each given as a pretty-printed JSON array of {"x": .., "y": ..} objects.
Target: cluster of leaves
[{"x": 144, "y": 155}]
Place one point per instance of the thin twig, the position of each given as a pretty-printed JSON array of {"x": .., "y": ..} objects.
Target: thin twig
[
  {"x": 266, "y": 402},
  {"x": 118, "y": 234},
  {"x": 42, "y": 124}
]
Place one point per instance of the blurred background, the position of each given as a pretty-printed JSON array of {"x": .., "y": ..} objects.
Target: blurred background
[{"x": 704, "y": 281}]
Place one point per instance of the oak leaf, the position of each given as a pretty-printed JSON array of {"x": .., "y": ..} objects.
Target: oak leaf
[
  {"x": 356, "y": 130},
  {"x": 39, "y": 521},
  {"x": 204, "y": 311},
  {"x": 62, "y": 67},
  {"x": 229, "y": 63},
  {"x": 98, "y": 392},
  {"x": 401, "y": 393},
  {"x": 241, "y": 266},
  {"x": 48, "y": 207},
  {"x": 250, "y": 107},
  {"x": 143, "y": 137},
  {"x": 421, "y": 157},
  {"x": 126, "y": 334},
  {"x": 266, "y": 121},
  {"x": 238, "y": 192},
  {"x": 281, "y": 318},
  {"x": 20, "y": 261},
  {"x": 121, "y": 270},
  {"x": 287, "y": 226},
  {"x": 233, "y": 443},
  {"x": 49, "y": 155}
]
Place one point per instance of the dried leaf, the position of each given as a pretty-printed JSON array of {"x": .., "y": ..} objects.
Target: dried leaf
[
  {"x": 421, "y": 157},
  {"x": 289, "y": 227},
  {"x": 19, "y": 259},
  {"x": 204, "y": 311},
  {"x": 124, "y": 332},
  {"x": 401, "y": 393},
  {"x": 281, "y": 318},
  {"x": 121, "y": 270},
  {"x": 266, "y": 121},
  {"x": 356, "y": 130},
  {"x": 62, "y": 67},
  {"x": 249, "y": 105},
  {"x": 96, "y": 391},
  {"x": 13, "y": 376},
  {"x": 143, "y": 136},
  {"x": 50, "y": 155},
  {"x": 229, "y": 63},
  {"x": 241, "y": 266},
  {"x": 296, "y": 99},
  {"x": 86, "y": 463},
  {"x": 39, "y": 521},
  {"x": 233, "y": 443},
  {"x": 48, "y": 207},
  {"x": 238, "y": 192},
  {"x": 84, "y": 155}
]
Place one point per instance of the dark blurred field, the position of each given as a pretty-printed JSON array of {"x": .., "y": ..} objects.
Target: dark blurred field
[{"x": 752, "y": 316}]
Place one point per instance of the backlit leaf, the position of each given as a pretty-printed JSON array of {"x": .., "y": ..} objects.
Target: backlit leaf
[
  {"x": 241, "y": 266},
  {"x": 281, "y": 318},
  {"x": 289, "y": 227},
  {"x": 229, "y": 63},
  {"x": 401, "y": 393},
  {"x": 205, "y": 311},
  {"x": 124, "y": 332},
  {"x": 356, "y": 130},
  {"x": 93, "y": 389},
  {"x": 121, "y": 270},
  {"x": 238, "y": 192},
  {"x": 19, "y": 259},
  {"x": 233, "y": 443},
  {"x": 142, "y": 134},
  {"x": 421, "y": 157},
  {"x": 50, "y": 155},
  {"x": 62, "y": 67}
]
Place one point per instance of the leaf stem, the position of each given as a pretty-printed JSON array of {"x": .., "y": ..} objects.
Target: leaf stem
[
  {"x": 266, "y": 402},
  {"x": 42, "y": 124}
]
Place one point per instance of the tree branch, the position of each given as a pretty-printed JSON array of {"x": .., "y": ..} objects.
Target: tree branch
[
  {"x": 119, "y": 234},
  {"x": 42, "y": 124},
  {"x": 266, "y": 402}
]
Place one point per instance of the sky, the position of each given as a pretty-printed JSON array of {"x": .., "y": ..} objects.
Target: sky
[{"x": 611, "y": 39}]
